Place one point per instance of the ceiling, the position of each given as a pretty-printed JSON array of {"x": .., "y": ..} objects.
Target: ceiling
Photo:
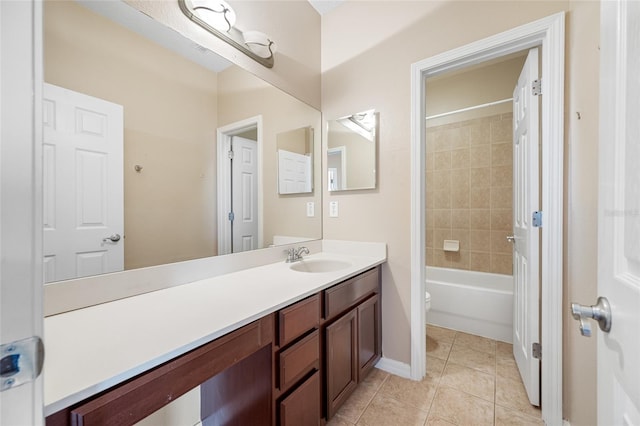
[{"x": 324, "y": 6}]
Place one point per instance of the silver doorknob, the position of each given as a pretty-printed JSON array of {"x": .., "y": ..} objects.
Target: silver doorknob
[
  {"x": 601, "y": 312},
  {"x": 511, "y": 238},
  {"x": 114, "y": 238}
]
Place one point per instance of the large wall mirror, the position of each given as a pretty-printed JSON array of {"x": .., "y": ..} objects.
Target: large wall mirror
[
  {"x": 352, "y": 151},
  {"x": 148, "y": 138}
]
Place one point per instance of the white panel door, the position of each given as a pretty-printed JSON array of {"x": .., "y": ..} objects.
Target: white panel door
[
  {"x": 83, "y": 185},
  {"x": 526, "y": 321},
  {"x": 619, "y": 214},
  {"x": 294, "y": 172},
  {"x": 20, "y": 206},
  {"x": 244, "y": 194}
]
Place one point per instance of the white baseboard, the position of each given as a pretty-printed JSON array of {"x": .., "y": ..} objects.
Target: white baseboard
[{"x": 394, "y": 367}]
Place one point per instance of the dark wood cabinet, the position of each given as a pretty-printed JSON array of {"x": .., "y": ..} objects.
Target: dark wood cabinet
[
  {"x": 352, "y": 336},
  {"x": 341, "y": 360},
  {"x": 296, "y": 395},
  {"x": 296, "y": 366},
  {"x": 369, "y": 335},
  {"x": 302, "y": 406}
]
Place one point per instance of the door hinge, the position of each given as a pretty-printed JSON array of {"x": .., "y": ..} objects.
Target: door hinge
[
  {"x": 536, "y": 219},
  {"x": 536, "y": 350},
  {"x": 20, "y": 362},
  {"x": 232, "y": 216},
  {"x": 536, "y": 87},
  {"x": 230, "y": 154}
]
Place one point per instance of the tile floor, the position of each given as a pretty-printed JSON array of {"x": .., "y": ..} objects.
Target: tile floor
[{"x": 471, "y": 380}]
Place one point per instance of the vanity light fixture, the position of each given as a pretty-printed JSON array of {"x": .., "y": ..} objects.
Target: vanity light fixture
[
  {"x": 216, "y": 13},
  {"x": 218, "y": 18}
]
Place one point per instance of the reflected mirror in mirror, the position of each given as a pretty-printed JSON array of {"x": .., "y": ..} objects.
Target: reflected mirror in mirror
[
  {"x": 351, "y": 151},
  {"x": 295, "y": 165},
  {"x": 132, "y": 161}
]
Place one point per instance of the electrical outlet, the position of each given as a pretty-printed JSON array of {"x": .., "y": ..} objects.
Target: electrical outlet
[
  {"x": 311, "y": 209},
  {"x": 333, "y": 209}
]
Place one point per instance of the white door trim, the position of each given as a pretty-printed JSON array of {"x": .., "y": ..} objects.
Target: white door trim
[
  {"x": 223, "y": 139},
  {"x": 342, "y": 150},
  {"x": 549, "y": 34},
  {"x": 21, "y": 283}
]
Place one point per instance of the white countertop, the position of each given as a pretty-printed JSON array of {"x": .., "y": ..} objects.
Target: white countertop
[{"x": 92, "y": 349}]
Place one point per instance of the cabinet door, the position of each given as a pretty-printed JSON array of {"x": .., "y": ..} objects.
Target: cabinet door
[
  {"x": 369, "y": 347},
  {"x": 342, "y": 362}
]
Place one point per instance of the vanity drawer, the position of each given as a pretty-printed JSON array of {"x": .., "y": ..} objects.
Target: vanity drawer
[
  {"x": 337, "y": 299},
  {"x": 298, "y": 360},
  {"x": 302, "y": 406},
  {"x": 297, "y": 319}
]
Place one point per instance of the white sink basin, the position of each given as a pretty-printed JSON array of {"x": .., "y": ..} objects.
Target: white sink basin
[{"x": 319, "y": 265}]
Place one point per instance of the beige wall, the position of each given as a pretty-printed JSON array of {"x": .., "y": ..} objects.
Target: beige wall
[
  {"x": 581, "y": 224},
  {"x": 370, "y": 68},
  {"x": 241, "y": 96},
  {"x": 169, "y": 129},
  {"x": 469, "y": 193},
  {"x": 293, "y": 25}
]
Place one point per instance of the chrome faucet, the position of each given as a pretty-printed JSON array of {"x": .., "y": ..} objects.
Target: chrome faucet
[{"x": 293, "y": 254}]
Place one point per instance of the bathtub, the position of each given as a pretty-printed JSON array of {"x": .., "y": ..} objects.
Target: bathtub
[{"x": 478, "y": 303}]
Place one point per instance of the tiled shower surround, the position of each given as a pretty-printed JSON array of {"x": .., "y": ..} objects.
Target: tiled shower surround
[{"x": 469, "y": 193}]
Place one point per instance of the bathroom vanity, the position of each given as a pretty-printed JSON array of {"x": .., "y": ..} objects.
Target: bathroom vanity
[{"x": 280, "y": 347}]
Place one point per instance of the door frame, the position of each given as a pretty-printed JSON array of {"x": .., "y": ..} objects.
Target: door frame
[
  {"x": 224, "y": 135},
  {"x": 547, "y": 33},
  {"x": 342, "y": 150},
  {"x": 21, "y": 279}
]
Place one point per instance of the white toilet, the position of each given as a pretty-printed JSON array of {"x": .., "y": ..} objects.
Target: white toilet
[{"x": 427, "y": 302}]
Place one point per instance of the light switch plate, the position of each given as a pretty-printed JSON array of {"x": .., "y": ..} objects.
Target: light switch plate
[
  {"x": 333, "y": 209},
  {"x": 311, "y": 210}
]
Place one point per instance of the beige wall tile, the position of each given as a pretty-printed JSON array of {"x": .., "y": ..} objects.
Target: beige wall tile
[
  {"x": 501, "y": 130},
  {"x": 460, "y": 218},
  {"x": 502, "y": 175},
  {"x": 480, "y": 198},
  {"x": 428, "y": 179},
  {"x": 461, "y": 235},
  {"x": 480, "y": 219},
  {"x": 442, "y": 160},
  {"x": 429, "y": 218},
  {"x": 429, "y": 257},
  {"x": 461, "y": 140},
  {"x": 460, "y": 158},
  {"x": 459, "y": 197},
  {"x": 442, "y": 218},
  {"x": 479, "y": 240},
  {"x": 458, "y": 260},
  {"x": 439, "y": 235},
  {"x": 429, "y": 162},
  {"x": 441, "y": 199},
  {"x": 499, "y": 243},
  {"x": 479, "y": 133},
  {"x": 440, "y": 141},
  {"x": 480, "y": 262},
  {"x": 501, "y": 263},
  {"x": 429, "y": 238},
  {"x": 442, "y": 180},
  {"x": 501, "y": 198},
  {"x": 501, "y": 219},
  {"x": 501, "y": 154},
  {"x": 480, "y": 156},
  {"x": 439, "y": 258},
  {"x": 460, "y": 178},
  {"x": 480, "y": 177}
]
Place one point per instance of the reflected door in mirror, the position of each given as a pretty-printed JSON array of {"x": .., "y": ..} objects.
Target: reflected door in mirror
[{"x": 83, "y": 190}]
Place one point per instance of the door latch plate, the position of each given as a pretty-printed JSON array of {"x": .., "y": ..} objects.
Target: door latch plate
[{"x": 20, "y": 362}]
